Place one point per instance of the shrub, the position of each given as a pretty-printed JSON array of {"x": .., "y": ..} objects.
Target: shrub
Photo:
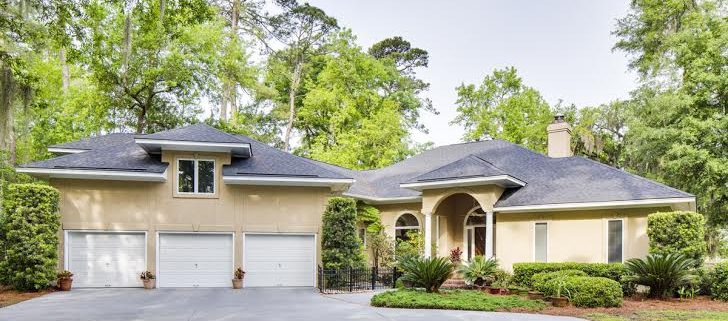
[
  {"x": 456, "y": 255},
  {"x": 29, "y": 228},
  {"x": 538, "y": 281},
  {"x": 340, "y": 244},
  {"x": 719, "y": 278},
  {"x": 586, "y": 291},
  {"x": 662, "y": 273},
  {"x": 428, "y": 273},
  {"x": 523, "y": 272},
  {"x": 677, "y": 232},
  {"x": 479, "y": 270}
]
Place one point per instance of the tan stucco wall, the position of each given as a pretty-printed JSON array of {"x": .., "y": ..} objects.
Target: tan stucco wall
[
  {"x": 573, "y": 236},
  {"x": 153, "y": 207}
]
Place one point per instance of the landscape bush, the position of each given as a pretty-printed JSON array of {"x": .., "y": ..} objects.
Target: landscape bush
[
  {"x": 662, "y": 273},
  {"x": 719, "y": 279},
  {"x": 29, "y": 227},
  {"x": 479, "y": 271},
  {"x": 429, "y": 273},
  {"x": 538, "y": 281},
  {"x": 340, "y": 244},
  {"x": 678, "y": 233},
  {"x": 586, "y": 291},
  {"x": 523, "y": 272}
]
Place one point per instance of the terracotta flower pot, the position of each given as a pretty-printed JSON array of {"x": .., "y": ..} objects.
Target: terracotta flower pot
[
  {"x": 559, "y": 302},
  {"x": 533, "y": 295},
  {"x": 494, "y": 291},
  {"x": 237, "y": 283},
  {"x": 149, "y": 284},
  {"x": 65, "y": 284}
]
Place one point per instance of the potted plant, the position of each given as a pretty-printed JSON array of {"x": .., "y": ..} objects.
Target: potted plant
[
  {"x": 65, "y": 280},
  {"x": 238, "y": 278},
  {"x": 148, "y": 279},
  {"x": 557, "y": 300},
  {"x": 535, "y": 295}
]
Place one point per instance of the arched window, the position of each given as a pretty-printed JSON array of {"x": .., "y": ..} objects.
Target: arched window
[
  {"x": 405, "y": 223},
  {"x": 474, "y": 233}
]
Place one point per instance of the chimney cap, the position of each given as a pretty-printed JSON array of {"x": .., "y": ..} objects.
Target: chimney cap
[{"x": 559, "y": 118}]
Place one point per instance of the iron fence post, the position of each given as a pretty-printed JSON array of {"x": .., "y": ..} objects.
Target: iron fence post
[
  {"x": 394, "y": 277},
  {"x": 351, "y": 281},
  {"x": 375, "y": 270}
]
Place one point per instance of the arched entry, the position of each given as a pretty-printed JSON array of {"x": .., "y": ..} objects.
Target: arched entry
[{"x": 461, "y": 221}]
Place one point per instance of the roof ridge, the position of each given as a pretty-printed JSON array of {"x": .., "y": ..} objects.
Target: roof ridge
[{"x": 630, "y": 174}]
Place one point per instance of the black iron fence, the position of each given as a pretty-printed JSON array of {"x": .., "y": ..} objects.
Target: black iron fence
[{"x": 356, "y": 279}]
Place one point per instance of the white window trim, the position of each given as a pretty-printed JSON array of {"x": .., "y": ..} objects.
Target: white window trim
[
  {"x": 548, "y": 241},
  {"x": 606, "y": 237},
  {"x": 196, "y": 176}
]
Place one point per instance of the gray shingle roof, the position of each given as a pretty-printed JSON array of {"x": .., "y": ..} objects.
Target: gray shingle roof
[
  {"x": 194, "y": 133},
  {"x": 469, "y": 166},
  {"x": 121, "y": 157},
  {"x": 97, "y": 141},
  {"x": 548, "y": 180}
]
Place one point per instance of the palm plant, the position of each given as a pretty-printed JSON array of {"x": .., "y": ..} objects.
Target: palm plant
[
  {"x": 428, "y": 273},
  {"x": 662, "y": 273},
  {"x": 478, "y": 270}
]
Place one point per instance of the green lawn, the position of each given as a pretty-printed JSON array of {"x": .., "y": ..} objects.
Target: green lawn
[
  {"x": 664, "y": 315},
  {"x": 453, "y": 300}
]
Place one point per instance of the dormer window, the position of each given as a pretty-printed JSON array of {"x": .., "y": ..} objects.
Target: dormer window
[{"x": 195, "y": 176}]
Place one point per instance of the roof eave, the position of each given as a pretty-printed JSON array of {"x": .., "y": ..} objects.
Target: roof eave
[
  {"x": 505, "y": 181},
  {"x": 652, "y": 202},
  {"x": 334, "y": 183},
  {"x": 114, "y": 175},
  {"x": 384, "y": 200},
  {"x": 157, "y": 145},
  {"x": 63, "y": 150}
]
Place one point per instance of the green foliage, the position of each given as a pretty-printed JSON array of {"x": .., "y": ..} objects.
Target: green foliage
[
  {"x": 454, "y": 300},
  {"x": 429, "y": 273},
  {"x": 381, "y": 247},
  {"x": 479, "y": 270},
  {"x": 524, "y": 272},
  {"x": 539, "y": 280},
  {"x": 719, "y": 281},
  {"x": 677, "y": 233},
  {"x": 412, "y": 246},
  {"x": 503, "y": 107},
  {"x": 340, "y": 244},
  {"x": 586, "y": 291},
  {"x": 662, "y": 273},
  {"x": 29, "y": 228},
  {"x": 369, "y": 217}
]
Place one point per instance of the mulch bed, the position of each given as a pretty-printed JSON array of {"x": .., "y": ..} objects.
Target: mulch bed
[
  {"x": 10, "y": 296},
  {"x": 632, "y": 305}
]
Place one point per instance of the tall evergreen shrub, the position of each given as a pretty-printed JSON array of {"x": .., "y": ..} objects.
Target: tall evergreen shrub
[
  {"x": 340, "y": 244},
  {"x": 29, "y": 225},
  {"x": 677, "y": 233}
]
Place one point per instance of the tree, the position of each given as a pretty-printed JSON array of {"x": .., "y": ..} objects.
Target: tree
[
  {"x": 678, "y": 128},
  {"x": 340, "y": 245},
  {"x": 503, "y": 107},
  {"x": 302, "y": 29}
]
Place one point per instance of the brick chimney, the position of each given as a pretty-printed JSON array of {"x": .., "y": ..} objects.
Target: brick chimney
[{"x": 559, "y": 143}]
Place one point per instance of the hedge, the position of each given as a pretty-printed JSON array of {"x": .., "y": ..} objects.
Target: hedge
[
  {"x": 523, "y": 272},
  {"x": 29, "y": 230},
  {"x": 538, "y": 281},
  {"x": 719, "y": 278},
  {"x": 587, "y": 291},
  {"x": 677, "y": 232},
  {"x": 340, "y": 244}
]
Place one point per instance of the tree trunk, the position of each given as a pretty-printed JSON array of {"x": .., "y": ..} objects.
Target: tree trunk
[
  {"x": 141, "y": 120},
  {"x": 295, "y": 80},
  {"x": 65, "y": 72},
  {"x": 224, "y": 104},
  {"x": 7, "y": 117}
]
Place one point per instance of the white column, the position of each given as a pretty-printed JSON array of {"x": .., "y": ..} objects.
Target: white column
[
  {"x": 428, "y": 234},
  {"x": 489, "y": 234}
]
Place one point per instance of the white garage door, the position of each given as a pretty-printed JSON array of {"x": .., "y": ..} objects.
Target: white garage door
[
  {"x": 106, "y": 259},
  {"x": 195, "y": 260},
  {"x": 279, "y": 260}
]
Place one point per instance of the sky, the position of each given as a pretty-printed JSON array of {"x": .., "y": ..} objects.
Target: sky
[{"x": 561, "y": 48}]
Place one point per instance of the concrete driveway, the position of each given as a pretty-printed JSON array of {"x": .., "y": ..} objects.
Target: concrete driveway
[{"x": 227, "y": 304}]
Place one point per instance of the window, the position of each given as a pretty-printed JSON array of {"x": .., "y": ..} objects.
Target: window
[
  {"x": 475, "y": 234},
  {"x": 363, "y": 236},
  {"x": 540, "y": 253},
  {"x": 196, "y": 176},
  {"x": 614, "y": 241},
  {"x": 405, "y": 223}
]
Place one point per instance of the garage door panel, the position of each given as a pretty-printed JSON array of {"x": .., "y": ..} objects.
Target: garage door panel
[
  {"x": 106, "y": 259},
  {"x": 195, "y": 260},
  {"x": 279, "y": 260}
]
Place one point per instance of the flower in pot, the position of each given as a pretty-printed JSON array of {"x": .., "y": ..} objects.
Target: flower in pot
[
  {"x": 238, "y": 278},
  {"x": 148, "y": 279},
  {"x": 65, "y": 279},
  {"x": 557, "y": 300}
]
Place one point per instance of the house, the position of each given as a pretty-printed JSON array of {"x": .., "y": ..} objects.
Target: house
[{"x": 193, "y": 203}]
